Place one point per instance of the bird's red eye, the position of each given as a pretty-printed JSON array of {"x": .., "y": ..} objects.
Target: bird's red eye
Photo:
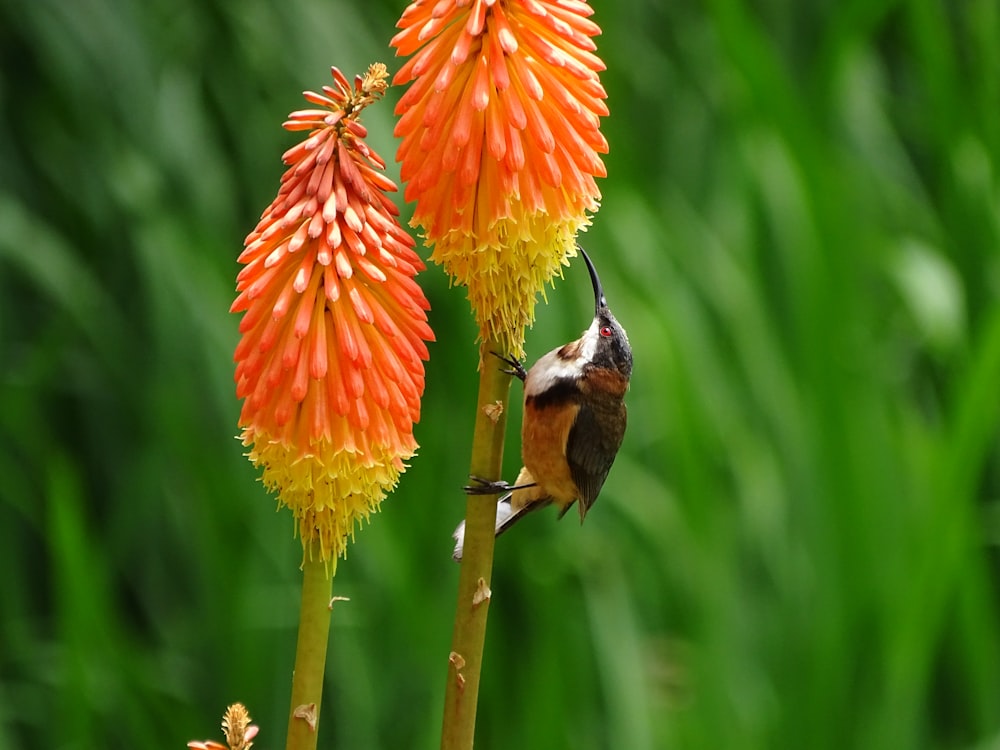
[{"x": 606, "y": 331}]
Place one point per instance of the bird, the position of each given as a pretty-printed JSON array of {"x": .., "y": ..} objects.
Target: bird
[{"x": 573, "y": 421}]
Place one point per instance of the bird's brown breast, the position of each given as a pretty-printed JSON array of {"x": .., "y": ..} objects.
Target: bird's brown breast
[
  {"x": 600, "y": 381},
  {"x": 543, "y": 447}
]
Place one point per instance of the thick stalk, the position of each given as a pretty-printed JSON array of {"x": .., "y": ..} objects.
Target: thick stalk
[
  {"x": 310, "y": 654},
  {"x": 466, "y": 658}
]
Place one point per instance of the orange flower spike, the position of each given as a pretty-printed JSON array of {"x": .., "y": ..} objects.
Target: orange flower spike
[
  {"x": 330, "y": 364},
  {"x": 500, "y": 144}
]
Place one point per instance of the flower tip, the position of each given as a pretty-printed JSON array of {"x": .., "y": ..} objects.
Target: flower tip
[{"x": 237, "y": 728}]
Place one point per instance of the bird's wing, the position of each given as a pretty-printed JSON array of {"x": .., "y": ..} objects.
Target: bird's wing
[{"x": 591, "y": 449}]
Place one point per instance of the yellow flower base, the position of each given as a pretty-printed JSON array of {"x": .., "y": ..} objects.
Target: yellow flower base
[
  {"x": 505, "y": 271},
  {"x": 330, "y": 492}
]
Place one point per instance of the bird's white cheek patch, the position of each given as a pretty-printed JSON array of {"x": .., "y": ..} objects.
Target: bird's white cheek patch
[{"x": 551, "y": 368}]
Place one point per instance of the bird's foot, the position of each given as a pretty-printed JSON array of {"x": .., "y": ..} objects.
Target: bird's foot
[
  {"x": 482, "y": 486},
  {"x": 516, "y": 368}
]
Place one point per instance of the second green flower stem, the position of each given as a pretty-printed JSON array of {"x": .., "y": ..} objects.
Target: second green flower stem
[{"x": 466, "y": 657}]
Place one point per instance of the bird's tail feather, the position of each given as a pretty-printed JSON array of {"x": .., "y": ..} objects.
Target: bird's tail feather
[
  {"x": 504, "y": 513},
  {"x": 513, "y": 516},
  {"x": 506, "y": 517}
]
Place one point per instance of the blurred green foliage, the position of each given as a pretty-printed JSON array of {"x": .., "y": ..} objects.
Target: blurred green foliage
[{"x": 797, "y": 546}]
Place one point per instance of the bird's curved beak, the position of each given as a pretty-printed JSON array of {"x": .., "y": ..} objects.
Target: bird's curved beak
[{"x": 599, "y": 300}]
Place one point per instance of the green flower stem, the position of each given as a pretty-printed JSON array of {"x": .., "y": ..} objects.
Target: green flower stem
[
  {"x": 466, "y": 658},
  {"x": 310, "y": 654}
]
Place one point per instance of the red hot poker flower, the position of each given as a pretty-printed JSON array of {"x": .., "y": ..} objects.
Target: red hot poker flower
[
  {"x": 330, "y": 364},
  {"x": 501, "y": 143}
]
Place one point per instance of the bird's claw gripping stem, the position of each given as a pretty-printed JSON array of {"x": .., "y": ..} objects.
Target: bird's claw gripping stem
[
  {"x": 482, "y": 486},
  {"x": 516, "y": 368}
]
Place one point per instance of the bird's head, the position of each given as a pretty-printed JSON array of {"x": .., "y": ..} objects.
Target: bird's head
[{"x": 605, "y": 344}]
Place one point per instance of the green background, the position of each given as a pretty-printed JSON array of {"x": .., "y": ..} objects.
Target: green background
[{"x": 797, "y": 546}]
